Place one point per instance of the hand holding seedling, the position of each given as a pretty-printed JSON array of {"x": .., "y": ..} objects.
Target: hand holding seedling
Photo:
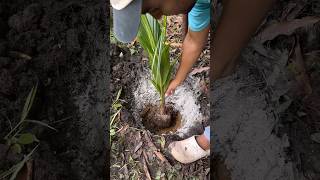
[{"x": 172, "y": 87}]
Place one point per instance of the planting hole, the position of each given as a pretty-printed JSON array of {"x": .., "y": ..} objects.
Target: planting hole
[{"x": 158, "y": 123}]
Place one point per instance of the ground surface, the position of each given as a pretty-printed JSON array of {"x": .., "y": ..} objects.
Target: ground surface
[
  {"x": 136, "y": 152},
  {"x": 266, "y": 115},
  {"x": 61, "y": 45}
]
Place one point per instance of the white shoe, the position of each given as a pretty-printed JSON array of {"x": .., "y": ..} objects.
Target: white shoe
[{"x": 187, "y": 151}]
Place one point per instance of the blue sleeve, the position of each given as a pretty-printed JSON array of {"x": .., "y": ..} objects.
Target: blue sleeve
[
  {"x": 199, "y": 16},
  {"x": 207, "y": 133}
]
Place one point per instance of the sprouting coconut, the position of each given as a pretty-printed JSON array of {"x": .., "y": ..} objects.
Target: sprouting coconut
[{"x": 152, "y": 38}]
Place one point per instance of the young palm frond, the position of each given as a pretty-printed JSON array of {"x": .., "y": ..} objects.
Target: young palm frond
[{"x": 152, "y": 38}]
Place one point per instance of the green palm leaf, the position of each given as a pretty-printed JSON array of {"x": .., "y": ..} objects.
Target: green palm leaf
[{"x": 152, "y": 38}]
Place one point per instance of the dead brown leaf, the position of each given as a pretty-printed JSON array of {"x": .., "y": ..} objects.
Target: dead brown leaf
[
  {"x": 145, "y": 156},
  {"x": 199, "y": 70},
  {"x": 204, "y": 87},
  {"x": 123, "y": 129},
  {"x": 145, "y": 168},
  {"x": 292, "y": 11},
  {"x": 149, "y": 141},
  {"x": 26, "y": 172},
  {"x": 155, "y": 149},
  {"x": 285, "y": 28},
  {"x": 160, "y": 156},
  {"x": 138, "y": 147},
  {"x": 16, "y": 54},
  {"x": 297, "y": 65},
  {"x": 175, "y": 45}
]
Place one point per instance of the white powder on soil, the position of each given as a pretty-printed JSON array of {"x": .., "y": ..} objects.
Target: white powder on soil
[{"x": 184, "y": 100}]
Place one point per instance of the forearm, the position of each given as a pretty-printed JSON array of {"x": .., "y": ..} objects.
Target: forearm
[
  {"x": 240, "y": 19},
  {"x": 189, "y": 56},
  {"x": 191, "y": 49}
]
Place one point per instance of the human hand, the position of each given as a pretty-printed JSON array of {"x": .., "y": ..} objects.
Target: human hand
[{"x": 172, "y": 87}]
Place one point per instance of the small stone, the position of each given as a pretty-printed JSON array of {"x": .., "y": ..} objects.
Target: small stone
[
  {"x": 301, "y": 114},
  {"x": 121, "y": 55},
  {"x": 117, "y": 67}
]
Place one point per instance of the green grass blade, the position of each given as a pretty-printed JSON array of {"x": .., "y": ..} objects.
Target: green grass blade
[
  {"x": 41, "y": 123},
  {"x": 113, "y": 117},
  {"x": 20, "y": 164},
  {"x": 118, "y": 94},
  {"x": 29, "y": 102}
]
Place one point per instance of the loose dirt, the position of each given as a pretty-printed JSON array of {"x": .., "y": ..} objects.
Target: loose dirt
[
  {"x": 156, "y": 122},
  {"x": 265, "y": 116},
  {"x": 61, "y": 45},
  {"x": 186, "y": 100}
]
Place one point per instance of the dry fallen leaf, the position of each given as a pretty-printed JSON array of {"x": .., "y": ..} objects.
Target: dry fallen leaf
[
  {"x": 138, "y": 147},
  {"x": 285, "y": 28},
  {"x": 145, "y": 168},
  {"x": 199, "y": 70},
  {"x": 316, "y": 137},
  {"x": 291, "y": 11},
  {"x": 176, "y": 45},
  {"x": 298, "y": 67},
  {"x": 155, "y": 149},
  {"x": 26, "y": 172},
  {"x": 16, "y": 54},
  {"x": 204, "y": 87}
]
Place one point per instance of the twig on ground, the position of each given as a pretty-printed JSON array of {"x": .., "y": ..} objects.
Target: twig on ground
[
  {"x": 16, "y": 54},
  {"x": 145, "y": 168},
  {"x": 155, "y": 149},
  {"x": 138, "y": 147},
  {"x": 136, "y": 129},
  {"x": 145, "y": 156}
]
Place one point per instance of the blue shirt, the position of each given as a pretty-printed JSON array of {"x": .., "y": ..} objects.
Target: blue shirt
[{"x": 199, "y": 16}]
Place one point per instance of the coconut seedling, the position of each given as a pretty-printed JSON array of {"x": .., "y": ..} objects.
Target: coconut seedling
[{"x": 152, "y": 38}]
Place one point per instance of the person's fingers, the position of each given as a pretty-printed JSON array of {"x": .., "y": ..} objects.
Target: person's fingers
[
  {"x": 171, "y": 88},
  {"x": 169, "y": 92}
]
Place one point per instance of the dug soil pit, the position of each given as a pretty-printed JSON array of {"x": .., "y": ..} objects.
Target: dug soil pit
[
  {"x": 185, "y": 101},
  {"x": 159, "y": 123}
]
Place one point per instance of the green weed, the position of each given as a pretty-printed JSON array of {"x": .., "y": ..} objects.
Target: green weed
[
  {"x": 115, "y": 109},
  {"x": 16, "y": 140}
]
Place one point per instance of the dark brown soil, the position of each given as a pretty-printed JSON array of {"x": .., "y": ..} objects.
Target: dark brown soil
[
  {"x": 67, "y": 42},
  {"x": 154, "y": 121}
]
